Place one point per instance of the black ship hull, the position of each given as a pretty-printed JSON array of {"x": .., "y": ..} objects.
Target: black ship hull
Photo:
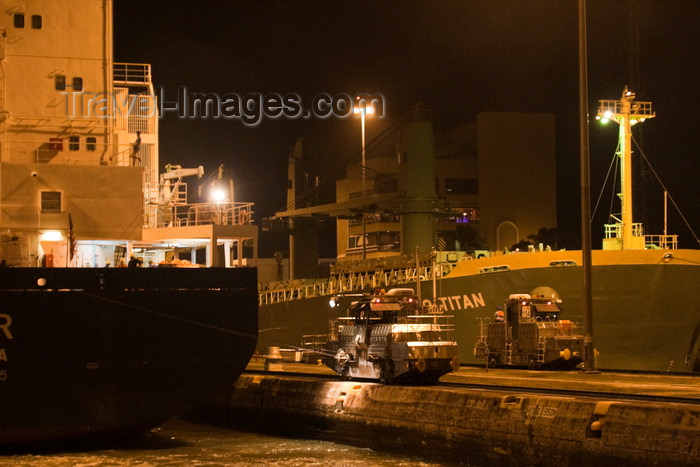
[{"x": 106, "y": 352}]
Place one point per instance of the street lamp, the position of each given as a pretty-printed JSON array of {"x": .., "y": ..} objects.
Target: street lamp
[{"x": 362, "y": 109}]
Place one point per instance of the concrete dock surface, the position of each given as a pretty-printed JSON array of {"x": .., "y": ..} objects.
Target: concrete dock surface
[
  {"x": 494, "y": 425},
  {"x": 670, "y": 385}
]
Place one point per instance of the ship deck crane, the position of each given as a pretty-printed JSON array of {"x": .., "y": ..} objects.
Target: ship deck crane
[{"x": 171, "y": 184}]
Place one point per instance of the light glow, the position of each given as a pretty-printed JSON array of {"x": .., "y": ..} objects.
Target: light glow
[
  {"x": 362, "y": 108},
  {"x": 218, "y": 195},
  {"x": 51, "y": 236}
]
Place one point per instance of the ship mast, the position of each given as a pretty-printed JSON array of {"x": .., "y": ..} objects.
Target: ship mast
[{"x": 625, "y": 235}]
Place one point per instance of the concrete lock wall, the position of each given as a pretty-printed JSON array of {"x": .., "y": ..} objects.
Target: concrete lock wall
[{"x": 472, "y": 426}]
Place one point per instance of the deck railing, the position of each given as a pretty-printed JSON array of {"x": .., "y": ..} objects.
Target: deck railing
[
  {"x": 665, "y": 242},
  {"x": 132, "y": 73},
  {"x": 297, "y": 290},
  {"x": 206, "y": 214}
]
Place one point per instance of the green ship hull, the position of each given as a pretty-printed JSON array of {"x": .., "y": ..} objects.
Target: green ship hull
[{"x": 646, "y": 312}]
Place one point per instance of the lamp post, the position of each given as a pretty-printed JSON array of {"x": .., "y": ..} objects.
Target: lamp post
[
  {"x": 362, "y": 109},
  {"x": 589, "y": 363}
]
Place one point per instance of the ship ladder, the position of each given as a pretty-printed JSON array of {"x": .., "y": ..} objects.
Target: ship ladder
[
  {"x": 540, "y": 350},
  {"x": 509, "y": 353}
]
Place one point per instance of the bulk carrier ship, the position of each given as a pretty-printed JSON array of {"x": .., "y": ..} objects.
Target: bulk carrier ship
[{"x": 88, "y": 350}]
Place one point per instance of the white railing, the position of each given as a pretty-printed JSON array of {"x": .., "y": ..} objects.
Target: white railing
[
  {"x": 135, "y": 112},
  {"x": 425, "y": 329},
  {"x": 665, "y": 242},
  {"x": 132, "y": 73},
  {"x": 650, "y": 241},
  {"x": 615, "y": 107},
  {"x": 342, "y": 283},
  {"x": 142, "y": 113},
  {"x": 206, "y": 214},
  {"x": 615, "y": 230}
]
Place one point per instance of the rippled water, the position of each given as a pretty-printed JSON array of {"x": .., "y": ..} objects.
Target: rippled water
[{"x": 179, "y": 443}]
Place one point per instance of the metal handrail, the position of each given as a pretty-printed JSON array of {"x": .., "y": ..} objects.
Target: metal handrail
[
  {"x": 132, "y": 73},
  {"x": 228, "y": 213}
]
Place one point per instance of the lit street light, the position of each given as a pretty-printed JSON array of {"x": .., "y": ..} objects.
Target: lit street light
[{"x": 362, "y": 109}]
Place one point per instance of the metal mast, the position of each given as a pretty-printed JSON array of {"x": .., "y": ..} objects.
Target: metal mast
[
  {"x": 626, "y": 112},
  {"x": 589, "y": 363}
]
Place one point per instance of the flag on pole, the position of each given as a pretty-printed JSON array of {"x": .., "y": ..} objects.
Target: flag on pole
[{"x": 71, "y": 239}]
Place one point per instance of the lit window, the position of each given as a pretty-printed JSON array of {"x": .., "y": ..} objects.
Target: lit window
[
  {"x": 91, "y": 143},
  {"x": 36, "y": 21},
  {"x": 354, "y": 241},
  {"x": 60, "y": 82},
  {"x": 51, "y": 201},
  {"x": 74, "y": 143},
  {"x": 19, "y": 20},
  {"x": 55, "y": 144},
  {"x": 77, "y": 84}
]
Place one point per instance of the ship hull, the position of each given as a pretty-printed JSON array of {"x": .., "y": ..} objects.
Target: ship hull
[
  {"x": 646, "y": 310},
  {"x": 106, "y": 352},
  {"x": 643, "y": 316}
]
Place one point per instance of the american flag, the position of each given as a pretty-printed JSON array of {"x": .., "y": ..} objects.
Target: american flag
[{"x": 71, "y": 238}]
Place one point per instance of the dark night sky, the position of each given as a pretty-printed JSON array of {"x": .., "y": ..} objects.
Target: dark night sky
[{"x": 456, "y": 57}]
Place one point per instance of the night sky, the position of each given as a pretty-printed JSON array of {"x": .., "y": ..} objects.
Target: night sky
[{"x": 457, "y": 58}]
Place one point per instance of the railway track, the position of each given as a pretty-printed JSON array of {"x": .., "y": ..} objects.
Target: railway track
[
  {"x": 519, "y": 389},
  {"x": 593, "y": 394}
]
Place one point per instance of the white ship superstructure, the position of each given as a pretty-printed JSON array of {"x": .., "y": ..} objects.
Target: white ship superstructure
[
  {"x": 67, "y": 174},
  {"x": 79, "y": 162}
]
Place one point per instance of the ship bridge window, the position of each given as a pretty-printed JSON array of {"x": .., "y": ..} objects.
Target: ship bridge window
[
  {"x": 91, "y": 143},
  {"x": 36, "y": 21},
  {"x": 19, "y": 20},
  {"x": 74, "y": 143},
  {"x": 51, "y": 201},
  {"x": 77, "y": 84},
  {"x": 60, "y": 82}
]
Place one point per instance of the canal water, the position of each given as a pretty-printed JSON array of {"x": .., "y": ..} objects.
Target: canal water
[{"x": 181, "y": 443}]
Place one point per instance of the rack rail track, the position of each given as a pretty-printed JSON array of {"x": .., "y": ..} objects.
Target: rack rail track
[{"x": 560, "y": 392}]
